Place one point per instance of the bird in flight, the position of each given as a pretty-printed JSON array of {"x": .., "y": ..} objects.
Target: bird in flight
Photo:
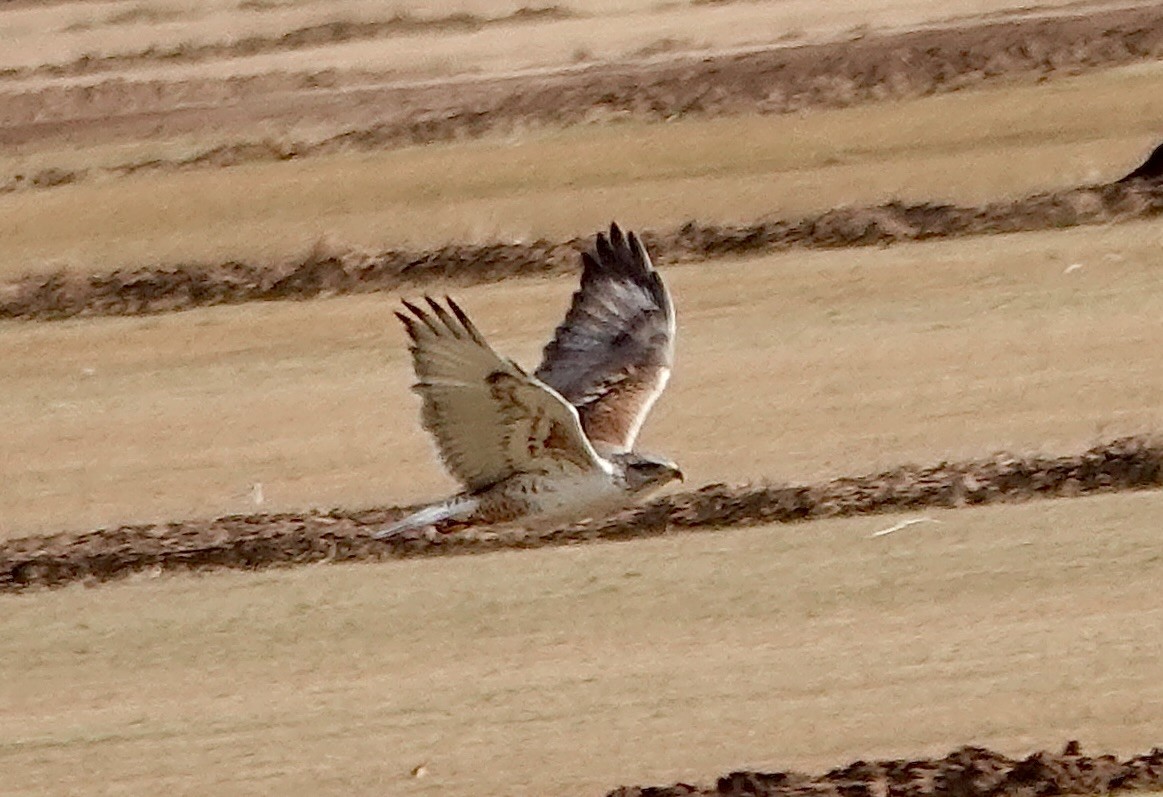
[{"x": 558, "y": 444}]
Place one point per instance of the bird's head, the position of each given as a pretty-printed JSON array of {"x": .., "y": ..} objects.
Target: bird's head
[{"x": 645, "y": 474}]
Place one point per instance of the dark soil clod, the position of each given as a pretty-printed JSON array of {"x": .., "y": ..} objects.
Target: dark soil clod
[{"x": 966, "y": 772}]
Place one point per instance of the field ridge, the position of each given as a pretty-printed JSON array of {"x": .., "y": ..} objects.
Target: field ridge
[
  {"x": 770, "y": 80},
  {"x": 401, "y": 23},
  {"x": 261, "y": 541},
  {"x": 965, "y": 772},
  {"x": 333, "y": 270}
]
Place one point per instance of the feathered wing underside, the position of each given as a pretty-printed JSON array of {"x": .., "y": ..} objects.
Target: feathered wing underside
[
  {"x": 489, "y": 418},
  {"x": 611, "y": 357}
]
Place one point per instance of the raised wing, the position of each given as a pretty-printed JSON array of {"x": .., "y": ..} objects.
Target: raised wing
[
  {"x": 490, "y": 418},
  {"x": 612, "y": 355}
]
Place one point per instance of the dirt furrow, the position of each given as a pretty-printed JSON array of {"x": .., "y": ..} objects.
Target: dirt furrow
[
  {"x": 65, "y": 294},
  {"x": 261, "y": 541},
  {"x": 370, "y": 112},
  {"x": 965, "y": 772},
  {"x": 401, "y": 23}
]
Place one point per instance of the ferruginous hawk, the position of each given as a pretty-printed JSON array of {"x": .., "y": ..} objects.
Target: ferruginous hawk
[{"x": 558, "y": 444}]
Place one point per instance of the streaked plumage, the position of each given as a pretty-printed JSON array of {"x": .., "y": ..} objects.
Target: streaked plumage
[{"x": 558, "y": 443}]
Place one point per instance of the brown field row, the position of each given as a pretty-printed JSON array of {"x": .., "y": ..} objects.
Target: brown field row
[
  {"x": 363, "y": 116},
  {"x": 570, "y": 670},
  {"x": 967, "y": 148},
  {"x": 883, "y": 268},
  {"x": 967, "y": 772},
  {"x": 66, "y": 294},
  {"x": 321, "y": 34},
  {"x": 177, "y": 37},
  {"x": 252, "y": 542}
]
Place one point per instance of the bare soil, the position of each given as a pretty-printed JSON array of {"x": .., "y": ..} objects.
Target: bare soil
[
  {"x": 369, "y": 111},
  {"x": 574, "y": 670},
  {"x": 322, "y": 34},
  {"x": 261, "y": 541},
  {"x": 966, "y": 772},
  {"x": 137, "y": 711},
  {"x": 65, "y": 293}
]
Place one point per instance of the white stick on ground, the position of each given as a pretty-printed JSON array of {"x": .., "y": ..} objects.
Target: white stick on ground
[{"x": 904, "y": 524}]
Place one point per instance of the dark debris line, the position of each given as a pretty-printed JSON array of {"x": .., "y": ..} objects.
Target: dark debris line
[
  {"x": 866, "y": 69},
  {"x": 965, "y": 772},
  {"x": 261, "y": 541},
  {"x": 149, "y": 290}
]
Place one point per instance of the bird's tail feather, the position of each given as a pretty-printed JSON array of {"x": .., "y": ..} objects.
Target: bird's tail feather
[{"x": 459, "y": 507}]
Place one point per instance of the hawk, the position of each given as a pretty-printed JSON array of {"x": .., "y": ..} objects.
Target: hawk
[{"x": 558, "y": 444}]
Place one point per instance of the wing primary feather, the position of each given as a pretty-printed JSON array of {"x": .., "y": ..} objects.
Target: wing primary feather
[
  {"x": 605, "y": 251},
  {"x": 423, "y": 316},
  {"x": 616, "y": 237},
  {"x": 465, "y": 322},
  {"x": 444, "y": 317},
  {"x": 591, "y": 269},
  {"x": 641, "y": 256},
  {"x": 409, "y": 324}
]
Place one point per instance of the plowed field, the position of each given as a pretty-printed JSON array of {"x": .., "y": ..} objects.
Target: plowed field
[{"x": 915, "y": 250}]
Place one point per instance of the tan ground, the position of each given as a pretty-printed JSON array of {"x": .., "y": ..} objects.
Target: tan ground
[
  {"x": 966, "y": 148},
  {"x": 62, "y": 33},
  {"x": 790, "y": 367},
  {"x": 570, "y": 671}
]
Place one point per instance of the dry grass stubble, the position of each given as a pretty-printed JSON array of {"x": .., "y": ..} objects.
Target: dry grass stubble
[
  {"x": 605, "y": 29},
  {"x": 798, "y": 367},
  {"x": 570, "y": 671},
  {"x": 965, "y": 148}
]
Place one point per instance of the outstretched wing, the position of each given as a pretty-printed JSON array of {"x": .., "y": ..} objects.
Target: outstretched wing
[
  {"x": 612, "y": 355},
  {"x": 490, "y": 419}
]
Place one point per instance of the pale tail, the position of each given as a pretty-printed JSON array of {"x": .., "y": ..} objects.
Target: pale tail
[{"x": 460, "y": 508}]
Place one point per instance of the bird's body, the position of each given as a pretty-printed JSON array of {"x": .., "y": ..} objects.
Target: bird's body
[
  {"x": 547, "y": 498},
  {"x": 555, "y": 445}
]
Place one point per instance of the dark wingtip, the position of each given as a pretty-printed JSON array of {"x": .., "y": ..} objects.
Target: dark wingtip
[
  {"x": 408, "y": 323},
  {"x": 443, "y": 315},
  {"x": 460, "y": 314},
  {"x": 616, "y": 236},
  {"x": 421, "y": 315},
  {"x": 465, "y": 321},
  {"x": 604, "y": 250},
  {"x": 638, "y": 249},
  {"x": 590, "y": 266},
  {"x": 616, "y": 252}
]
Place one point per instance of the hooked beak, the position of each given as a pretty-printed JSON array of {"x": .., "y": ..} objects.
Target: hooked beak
[{"x": 678, "y": 474}]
